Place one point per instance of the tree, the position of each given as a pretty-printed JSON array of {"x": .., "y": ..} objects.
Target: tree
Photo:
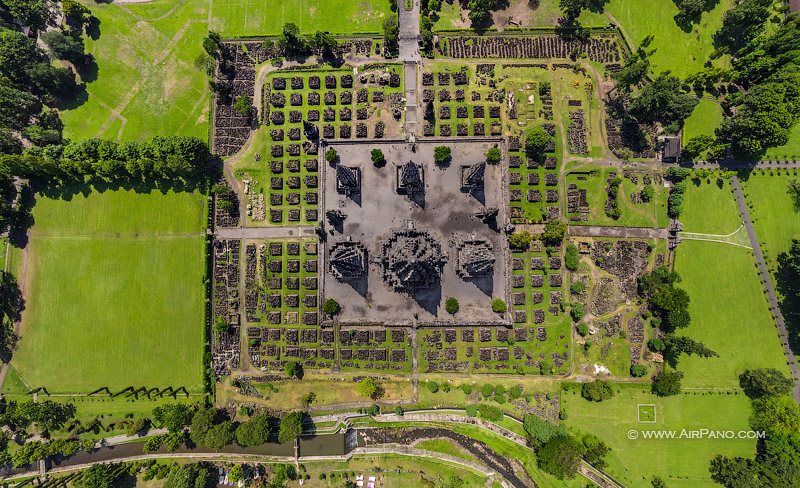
[
  {"x": 331, "y": 307},
  {"x": 291, "y": 41},
  {"x": 667, "y": 383},
  {"x": 554, "y": 232},
  {"x": 499, "y": 306},
  {"x": 173, "y": 416},
  {"x": 236, "y": 473},
  {"x": 293, "y": 369},
  {"x": 451, "y": 305},
  {"x": 331, "y": 156},
  {"x": 539, "y": 431},
  {"x": 188, "y": 476},
  {"x": 572, "y": 8},
  {"x": 368, "y": 388},
  {"x": 391, "y": 33},
  {"x": 202, "y": 421},
  {"x": 378, "y": 159},
  {"x": 324, "y": 44},
  {"x": 571, "y": 257},
  {"x": 762, "y": 382},
  {"x": 743, "y": 23},
  {"x": 560, "y": 456},
  {"x": 138, "y": 426},
  {"x": 243, "y": 105},
  {"x": 734, "y": 472},
  {"x": 36, "y": 14},
  {"x": 97, "y": 476},
  {"x": 577, "y": 311},
  {"x": 520, "y": 240},
  {"x": 597, "y": 391},
  {"x": 442, "y": 155},
  {"x": 594, "y": 451},
  {"x": 68, "y": 47},
  {"x": 663, "y": 100},
  {"x": 291, "y": 427},
  {"x": 635, "y": 70},
  {"x": 657, "y": 482},
  {"x": 479, "y": 11},
  {"x": 674, "y": 346},
  {"x": 17, "y": 107},
  {"x": 493, "y": 155},
  {"x": 775, "y": 415},
  {"x": 255, "y": 431},
  {"x": 212, "y": 44},
  {"x": 638, "y": 370},
  {"x": 75, "y": 12},
  {"x": 536, "y": 141},
  {"x": 220, "y": 435}
]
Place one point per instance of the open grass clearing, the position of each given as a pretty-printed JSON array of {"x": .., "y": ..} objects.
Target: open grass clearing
[
  {"x": 706, "y": 117},
  {"x": 114, "y": 293},
  {"x": 682, "y": 463},
  {"x": 775, "y": 218},
  {"x": 709, "y": 208},
  {"x": 146, "y": 82},
  {"x": 729, "y": 313}
]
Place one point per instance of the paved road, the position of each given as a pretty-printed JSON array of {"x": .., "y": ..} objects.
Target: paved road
[
  {"x": 410, "y": 56},
  {"x": 765, "y": 278},
  {"x": 604, "y": 231},
  {"x": 274, "y": 232}
]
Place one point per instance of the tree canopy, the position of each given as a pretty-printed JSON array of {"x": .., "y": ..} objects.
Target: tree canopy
[
  {"x": 764, "y": 382},
  {"x": 291, "y": 427},
  {"x": 663, "y": 101}
]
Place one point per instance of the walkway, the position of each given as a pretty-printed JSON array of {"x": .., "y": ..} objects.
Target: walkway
[
  {"x": 623, "y": 232},
  {"x": 273, "y": 232},
  {"x": 408, "y": 43},
  {"x": 766, "y": 280}
]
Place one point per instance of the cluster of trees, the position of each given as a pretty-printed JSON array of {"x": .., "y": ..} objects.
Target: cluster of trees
[
  {"x": 169, "y": 158},
  {"x": 558, "y": 452},
  {"x": 597, "y": 391},
  {"x": 777, "y": 415},
  {"x": 213, "y": 428},
  {"x": 46, "y": 415},
  {"x": 787, "y": 278},
  {"x": 295, "y": 44},
  {"x": 31, "y": 83},
  {"x": 690, "y": 11}
]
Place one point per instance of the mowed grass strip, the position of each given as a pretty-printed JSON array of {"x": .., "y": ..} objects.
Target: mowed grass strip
[
  {"x": 682, "y": 463},
  {"x": 116, "y": 313},
  {"x": 234, "y": 18}
]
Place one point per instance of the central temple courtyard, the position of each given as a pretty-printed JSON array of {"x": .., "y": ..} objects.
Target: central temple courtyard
[{"x": 404, "y": 236}]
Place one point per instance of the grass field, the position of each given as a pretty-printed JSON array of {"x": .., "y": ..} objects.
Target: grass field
[
  {"x": 681, "y": 52},
  {"x": 114, "y": 293},
  {"x": 682, "y": 463},
  {"x": 146, "y": 82},
  {"x": 267, "y": 17},
  {"x": 776, "y": 220},
  {"x": 706, "y": 117},
  {"x": 729, "y": 310},
  {"x": 790, "y": 150}
]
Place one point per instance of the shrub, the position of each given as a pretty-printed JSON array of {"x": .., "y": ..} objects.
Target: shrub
[
  {"x": 442, "y": 155},
  {"x": 446, "y": 387},
  {"x": 515, "y": 392},
  {"x": 451, "y": 305},
  {"x": 597, "y": 391},
  {"x": 331, "y": 156},
  {"x": 582, "y": 329},
  {"x": 471, "y": 409},
  {"x": 571, "y": 257},
  {"x": 493, "y": 155},
  {"x": 638, "y": 370},
  {"x": 466, "y": 388},
  {"x": 577, "y": 311},
  {"x": 378, "y": 159},
  {"x": 520, "y": 240},
  {"x": 369, "y": 388},
  {"x": 499, "y": 306},
  {"x": 487, "y": 390},
  {"x": 432, "y": 386},
  {"x": 499, "y": 398},
  {"x": 398, "y": 410},
  {"x": 546, "y": 366},
  {"x": 490, "y": 412},
  {"x": 293, "y": 369},
  {"x": 578, "y": 287},
  {"x": 655, "y": 344},
  {"x": 331, "y": 307},
  {"x": 243, "y": 105},
  {"x": 647, "y": 193}
]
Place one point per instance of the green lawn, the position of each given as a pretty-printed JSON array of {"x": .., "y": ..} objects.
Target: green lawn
[
  {"x": 146, "y": 81},
  {"x": 682, "y": 463},
  {"x": 776, "y": 220},
  {"x": 709, "y": 209},
  {"x": 681, "y": 52},
  {"x": 114, "y": 293},
  {"x": 233, "y": 18},
  {"x": 729, "y": 310},
  {"x": 790, "y": 150},
  {"x": 706, "y": 117}
]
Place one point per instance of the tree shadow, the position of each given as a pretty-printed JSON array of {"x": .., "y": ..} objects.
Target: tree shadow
[{"x": 787, "y": 281}]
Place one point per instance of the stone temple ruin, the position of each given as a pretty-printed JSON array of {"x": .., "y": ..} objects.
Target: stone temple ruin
[
  {"x": 472, "y": 177},
  {"x": 410, "y": 179},
  {"x": 347, "y": 260},
  {"x": 348, "y": 180},
  {"x": 412, "y": 260},
  {"x": 474, "y": 257}
]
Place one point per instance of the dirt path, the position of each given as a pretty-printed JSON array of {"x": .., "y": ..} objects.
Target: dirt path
[{"x": 767, "y": 281}]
